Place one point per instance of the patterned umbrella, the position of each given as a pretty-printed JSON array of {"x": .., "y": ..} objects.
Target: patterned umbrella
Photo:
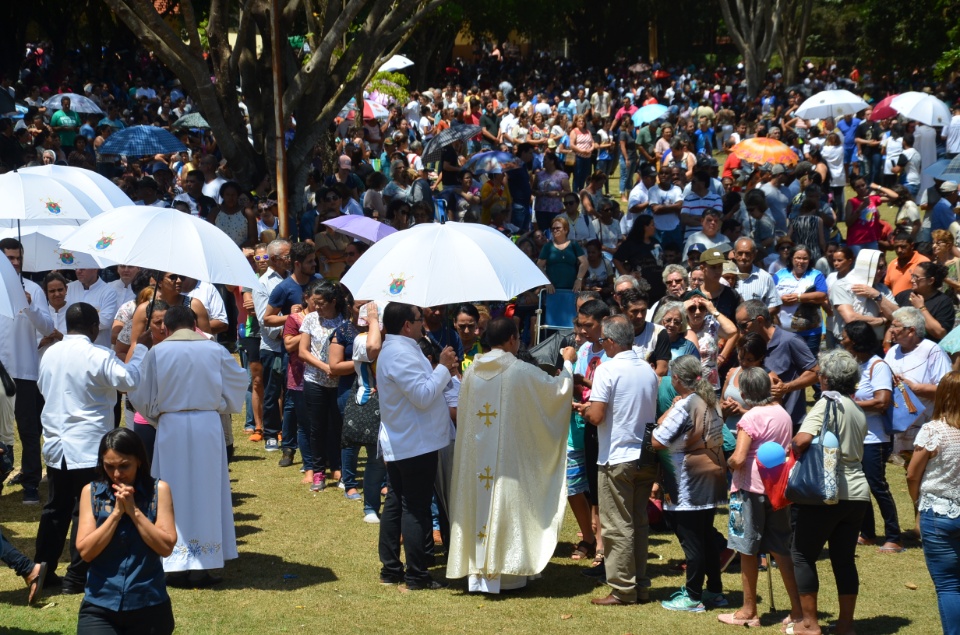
[
  {"x": 141, "y": 141},
  {"x": 78, "y": 103},
  {"x": 431, "y": 152},
  {"x": 192, "y": 120},
  {"x": 760, "y": 150},
  {"x": 483, "y": 162},
  {"x": 371, "y": 110}
]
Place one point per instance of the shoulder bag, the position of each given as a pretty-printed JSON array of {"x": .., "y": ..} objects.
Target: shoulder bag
[
  {"x": 361, "y": 422},
  {"x": 814, "y": 478}
]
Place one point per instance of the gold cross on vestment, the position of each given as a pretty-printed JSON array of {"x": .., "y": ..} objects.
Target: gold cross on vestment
[
  {"x": 480, "y": 535},
  {"x": 486, "y": 477},
  {"x": 486, "y": 414}
]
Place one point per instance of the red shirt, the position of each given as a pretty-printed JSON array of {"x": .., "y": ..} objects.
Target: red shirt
[{"x": 732, "y": 163}]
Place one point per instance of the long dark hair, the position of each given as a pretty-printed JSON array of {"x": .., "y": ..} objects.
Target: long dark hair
[{"x": 125, "y": 441}]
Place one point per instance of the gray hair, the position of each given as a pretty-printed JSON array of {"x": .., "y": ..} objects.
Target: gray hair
[
  {"x": 273, "y": 249},
  {"x": 688, "y": 372},
  {"x": 667, "y": 307},
  {"x": 755, "y": 309},
  {"x": 755, "y": 387},
  {"x": 618, "y": 329},
  {"x": 840, "y": 370},
  {"x": 626, "y": 278},
  {"x": 801, "y": 247},
  {"x": 911, "y": 317},
  {"x": 745, "y": 239},
  {"x": 669, "y": 270}
]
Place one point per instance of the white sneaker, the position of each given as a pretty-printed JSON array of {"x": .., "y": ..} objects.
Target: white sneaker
[
  {"x": 340, "y": 485},
  {"x": 372, "y": 519}
]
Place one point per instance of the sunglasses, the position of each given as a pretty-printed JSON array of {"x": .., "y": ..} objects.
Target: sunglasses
[{"x": 263, "y": 258}]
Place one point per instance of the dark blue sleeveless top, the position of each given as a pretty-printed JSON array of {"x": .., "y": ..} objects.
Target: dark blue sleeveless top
[{"x": 128, "y": 574}]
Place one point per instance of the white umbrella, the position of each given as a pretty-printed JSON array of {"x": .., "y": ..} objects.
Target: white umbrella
[
  {"x": 395, "y": 63},
  {"x": 922, "y": 107},
  {"x": 42, "y": 252},
  {"x": 443, "y": 263},
  {"x": 164, "y": 239},
  {"x": 830, "y": 103},
  {"x": 78, "y": 103},
  {"x": 28, "y": 196},
  {"x": 13, "y": 299},
  {"x": 99, "y": 188}
]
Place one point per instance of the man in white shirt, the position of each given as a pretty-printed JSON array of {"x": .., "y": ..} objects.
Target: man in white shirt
[
  {"x": 622, "y": 403},
  {"x": 951, "y": 133},
  {"x": 89, "y": 288},
  {"x": 211, "y": 180},
  {"x": 777, "y": 200},
  {"x": 414, "y": 424},
  {"x": 212, "y": 302},
  {"x": 79, "y": 381},
  {"x": 271, "y": 340},
  {"x": 18, "y": 353},
  {"x": 600, "y": 101},
  {"x": 758, "y": 284},
  {"x": 639, "y": 199},
  {"x": 122, "y": 286}
]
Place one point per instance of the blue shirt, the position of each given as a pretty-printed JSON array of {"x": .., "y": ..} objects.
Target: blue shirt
[
  {"x": 518, "y": 181},
  {"x": 288, "y": 293},
  {"x": 849, "y": 131},
  {"x": 942, "y": 215},
  {"x": 788, "y": 357},
  {"x": 445, "y": 337}
]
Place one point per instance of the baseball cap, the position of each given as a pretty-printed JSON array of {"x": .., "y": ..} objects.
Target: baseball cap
[
  {"x": 566, "y": 93},
  {"x": 706, "y": 162},
  {"x": 647, "y": 170},
  {"x": 697, "y": 247},
  {"x": 777, "y": 169},
  {"x": 948, "y": 186},
  {"x": 802, "y": 168},
  {"x": 712, "y": 257}
]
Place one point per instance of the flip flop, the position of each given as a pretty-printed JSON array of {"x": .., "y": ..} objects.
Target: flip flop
[
  {"x": 35, "y": 584},
  {"x": 890, "y": 549},
  {"x": 732, "y": 619}
]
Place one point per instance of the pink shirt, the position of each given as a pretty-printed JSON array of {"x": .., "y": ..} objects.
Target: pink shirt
[{"x": 762, "y": 423}]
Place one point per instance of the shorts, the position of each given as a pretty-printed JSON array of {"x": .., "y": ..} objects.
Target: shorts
[
  {"x": 755, "y": 527},
  {"x": 250, "y": 347},
  {"x": 576, "y": 473}
]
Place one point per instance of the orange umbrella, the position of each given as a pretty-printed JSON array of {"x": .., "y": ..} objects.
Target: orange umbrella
[{"x": 760, "y": 150}]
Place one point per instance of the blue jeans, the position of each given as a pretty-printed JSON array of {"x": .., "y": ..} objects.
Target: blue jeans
[
  {"x": 274, "y": 384},
  {"x": 874, "y": 463},
  {"x": 581, "y": 171},
  {"x": 626, "y": 176},
  {"x": 294, "y": 424},
  {"x": 870, "y": 245},
  {"x": 520, "y": 216},
  {"x": 374, "y": 475},
  {"x": 941, "y": 549},
  {"x": 12, "y": 557},
  {"x": 248, "y": 422}
]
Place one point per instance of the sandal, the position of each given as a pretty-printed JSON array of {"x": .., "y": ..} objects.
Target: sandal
[
  {"x": 35, "y": 584},
  {"x": 597, "y": 559},
  {"x": 733, "y": 620},
  {"x": 584, "y": 550},
  {"x": 866, "y": 542},
  {"x": 895, "y": 549}
]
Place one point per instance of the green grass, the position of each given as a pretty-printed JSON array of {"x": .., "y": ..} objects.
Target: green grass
[{"x": 283, "y": 529}]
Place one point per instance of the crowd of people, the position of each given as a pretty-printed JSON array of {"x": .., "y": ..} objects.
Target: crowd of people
[{"x": 712, "y": 298}]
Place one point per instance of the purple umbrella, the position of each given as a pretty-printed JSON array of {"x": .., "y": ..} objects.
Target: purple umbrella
[{"x": 360, "y": 227}]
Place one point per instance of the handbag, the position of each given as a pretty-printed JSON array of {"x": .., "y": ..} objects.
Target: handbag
[
  {"x": 906, "y": 409},
  {"x": 807, "y": 315},
  {"x": 361, "y": 422},
  {"x": 814, "y": 479},
  {"x": 648, "y": 455}
]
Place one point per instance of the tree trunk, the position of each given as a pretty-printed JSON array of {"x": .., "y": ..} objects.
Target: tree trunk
[
  {"x": 794, "y": 27},
  {"x": 755, "y": 30}
]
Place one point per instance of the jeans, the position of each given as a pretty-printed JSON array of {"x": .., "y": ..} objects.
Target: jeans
[
  {"x": 27, "y": 409},
  {"x": 374, "y": 475},
  {"x": 63, "y": 506},
  {"x": 151, "y": 620},
  {"x": 294, "y": 418},
  {"x": 274, "y": 385},
  {"x": 407, "y": 513},
  {"x": 941, "y": 549},
  {"x": 701, "y": 550},
  {"x": 874, "y": 463},
  {"x": 815, "y": 526},
  {"x": 626, "y": 176},
  {"x": 581, "y": 171},
  {"x": 12, "y": 557},
  {"x": 605, "y": 166},
  {"x": 673, "y": 237},
  {"x": 870, "y": 245},
  {"x": 520, "y": 216},
  {"x": 325, "y": 426}
]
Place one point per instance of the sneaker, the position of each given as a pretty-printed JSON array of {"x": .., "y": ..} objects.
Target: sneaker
[
  {"x": 680, "y": 601},
  {"x": 31, "y": 495},
  {"x": 714, "y": 600},
  {"x": 319, "y": 483},
  {"x": 432, "y": 585},
  {"x": 17, "y": 479},
  {"x": 726, "y": 557},
  {"x": 287, "y": 459},
  {"x": 272, "y": 445},
  {"x": 371, "y": 519},
  {"x": 257, "y": 436},
  {"x": 340, "y": 485}
]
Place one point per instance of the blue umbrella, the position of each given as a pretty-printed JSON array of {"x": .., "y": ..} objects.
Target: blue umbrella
[
  {"x": 141, "y": 141},
  {"x": 649, "y": 113},
  {"x": 78, "y": 103},
  {"x": 483, "y": 162},
  {"x": 945, "y": 170}
]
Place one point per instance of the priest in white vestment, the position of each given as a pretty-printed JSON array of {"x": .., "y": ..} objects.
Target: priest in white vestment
[
  {"x": 509, "y": 488},
  {"x": 187, "y": 382}
]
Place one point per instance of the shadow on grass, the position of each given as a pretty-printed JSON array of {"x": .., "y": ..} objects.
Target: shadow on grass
[
  {"x": 239, "y": 458},
  {"x": 21, "y": 631},
  {"x": 237, "y": 498},
  {"x": 266, "y": 572},
  {"x": 882, "y": 624}
]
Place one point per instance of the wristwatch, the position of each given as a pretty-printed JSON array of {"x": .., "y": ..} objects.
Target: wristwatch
[{"x": 715, "y": 314}]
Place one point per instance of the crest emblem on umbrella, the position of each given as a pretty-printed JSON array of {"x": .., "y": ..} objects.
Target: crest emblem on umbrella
[
  {"x": 52, "y": 206},
  {"x": 397, "y": 283},
  {"x": 66, "y": 258},
  {"x": 106, "y": 240}
]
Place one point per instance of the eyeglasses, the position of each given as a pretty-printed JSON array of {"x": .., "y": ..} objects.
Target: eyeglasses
[
  {"x": 697, "y": 309},
  {"x": 262, "y": 258},
  {"x": 601, "y": 340},
  {"x": 743, "y": 326},
  {"x": 173, "y": 277},
  {"x": 667, "y": 321},
  {"x": 916, "y": 278},
  {"x": 419, "y": 318}
]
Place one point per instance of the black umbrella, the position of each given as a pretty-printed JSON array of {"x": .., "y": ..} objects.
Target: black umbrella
[
  {"x": 7, "y": 105},
  {"x": 431, "y": 152},
  {"x": 547, "y": 352}
]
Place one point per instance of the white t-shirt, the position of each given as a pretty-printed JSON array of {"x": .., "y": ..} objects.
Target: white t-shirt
[
  {"x": 628, "y": 386},
  {"x": 659, "y": 196},
  {"x": 912, "y": 169},
  {"x": 874, "y": 375},
  {"x": 926, "y": 364}
]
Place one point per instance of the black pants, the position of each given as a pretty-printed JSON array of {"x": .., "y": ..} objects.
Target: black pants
[
  {"x": 700, "y": 548},
  {"x": 326, "y": 426},
  {"x": 874, "y": 463},
  {"x": 27, "y": 410},
  {"x": 591, "y": 449},
  {"x": 63, "y": 506},
  {"x": 407, "y": 512},
  {"x": 819, "y": 524},
  {"x": 152, "y": 620},
  {"x": 147, "y": 434}
]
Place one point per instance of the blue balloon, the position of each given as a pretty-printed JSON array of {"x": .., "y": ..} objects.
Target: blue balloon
[
  {"x": 771, "y": 454},
  {"x": 830, "y": 440}
]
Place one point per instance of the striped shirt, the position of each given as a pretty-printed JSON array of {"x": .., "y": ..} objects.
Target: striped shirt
[
  {"x": 696, "y": 205},
  {"x": 759, "y": 285}
]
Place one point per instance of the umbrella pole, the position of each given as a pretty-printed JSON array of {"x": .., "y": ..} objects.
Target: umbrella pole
[{"x": 20, "y": 240}]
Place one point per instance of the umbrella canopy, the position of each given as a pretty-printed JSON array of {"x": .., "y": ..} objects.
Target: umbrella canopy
[
  {"x": 192, "y": 120},
  {"x": 371, "y": 110},
  {"x": 395, "y": 63},
  {"x": 98, "y": 188},
  {"x": 12, "y": 299},
  {"x": 649, "y": 113},
  {"x": 78, "y": 103},
  {"x": 29, "y": 196},
  {"x": 360, "y": 227},
  {"x": 431, "y": 152},
  {"x": 42, "y": 252},
  {"x": 483, "y": 162},
  {"x": 922, "y": 107},
  {"x": 830, "y": 103},
  {"x": 7, "y": 104},
  {"x": 760, "y": 150},
  {"x": 945, "y": 169},
  {"x": 883, "y": 109},
  {"x": 141, "y": 141},
  {"x": 164, "y": 239},
  {"x": 443, "y": 263}
]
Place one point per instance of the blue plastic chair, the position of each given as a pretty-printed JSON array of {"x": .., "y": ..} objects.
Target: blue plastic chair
[{"x": 556, "y": 312}]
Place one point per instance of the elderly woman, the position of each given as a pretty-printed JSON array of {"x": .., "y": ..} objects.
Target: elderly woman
[
  {"x": 694, "y": 482},
  {"x": 755, "y": 526},
  {"x": 802, "y": 290},
  {"x": 925, "y": 295},
  {"x": 839, "y": 525},
  {"x": 673, "y": 317},
  {"x": 874, "y": 396},
  {"x": 676, "y": 280},
  {"x": 933, "y": 479},
  {"x": 710, "y": 328},
  {"x": 563, "y": 260},
  {"x": 943, "y": 244}
]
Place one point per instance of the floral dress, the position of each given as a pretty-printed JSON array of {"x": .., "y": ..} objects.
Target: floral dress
[{"x": 709, "y": 339}]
